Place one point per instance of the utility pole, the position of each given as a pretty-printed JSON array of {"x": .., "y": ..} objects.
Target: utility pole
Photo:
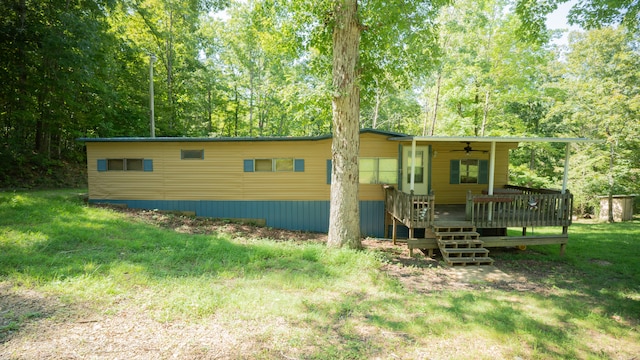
[{"x": 152, "y": 59}]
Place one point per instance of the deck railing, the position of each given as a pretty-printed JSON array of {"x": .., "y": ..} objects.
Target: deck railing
[
  {"x": 414, "y": 211},
  {"x": 520, "y": 207}
]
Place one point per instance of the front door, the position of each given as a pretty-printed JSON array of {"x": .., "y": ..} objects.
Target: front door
[{"x": 421, "y": 180}]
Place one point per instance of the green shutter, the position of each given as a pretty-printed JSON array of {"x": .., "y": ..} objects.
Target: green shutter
[
  {"x": 248, "y": 165},
  {"x": 102, "y": 164},
  {"x": 483, "y": 171},
  {"x": 147, "y": 165},
  {"x": 454, "y": 172},
  {"x": 329, "y": 166},
  {"x": 298, "y": 165}
]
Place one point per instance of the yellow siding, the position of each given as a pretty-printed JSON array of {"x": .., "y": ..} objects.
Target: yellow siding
[
  {"x": 446, "y": 193},
  {"x": 220, "y": 175}
]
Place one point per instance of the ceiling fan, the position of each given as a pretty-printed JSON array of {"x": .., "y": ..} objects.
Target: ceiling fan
[{"x": 468, "y": 149}]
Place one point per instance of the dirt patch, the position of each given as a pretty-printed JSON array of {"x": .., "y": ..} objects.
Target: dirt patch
[{"x": 199, "y": 225}]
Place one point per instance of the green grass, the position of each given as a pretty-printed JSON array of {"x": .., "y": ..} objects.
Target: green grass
[{"x": 334, "y": 303}]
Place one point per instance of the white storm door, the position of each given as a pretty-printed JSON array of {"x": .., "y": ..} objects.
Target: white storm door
[{"x": 421, "y": 179}]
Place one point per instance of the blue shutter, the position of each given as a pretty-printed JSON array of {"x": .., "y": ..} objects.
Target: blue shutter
[
  {"x": 329, "y": 166},
  {"x": 400, "y": 179},
  {"x": 454, "y": 172},
  {"x": 298, "y": 165},
  {"x": 483, "y": 171},
  {"x": 147, "y": 165},
  {"x": 102, "y": 164},
  {"x": 248, "y": 165}
]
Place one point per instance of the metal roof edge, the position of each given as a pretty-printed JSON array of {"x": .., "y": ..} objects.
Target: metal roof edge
[
  {"x": 488, "y": 139},
  {"x": 233, "y": 139},
  {"x": 203, "y": 139}
]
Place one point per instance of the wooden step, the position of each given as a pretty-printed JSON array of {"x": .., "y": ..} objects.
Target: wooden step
[
  {"x": 458, "y": 236},
  {"x": 456, "y": 233},
  {"x": 477, "y": 252},
  {"x": 443, "y": 229},
  {"x": 468, "y": 261},
  {"x": 460, "y": 243}
]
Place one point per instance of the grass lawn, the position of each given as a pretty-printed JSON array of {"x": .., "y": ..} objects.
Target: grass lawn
[{"x": 88, "y": 282}]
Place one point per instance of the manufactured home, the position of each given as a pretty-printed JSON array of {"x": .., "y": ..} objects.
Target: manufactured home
[{"x": 439, "y": 192}]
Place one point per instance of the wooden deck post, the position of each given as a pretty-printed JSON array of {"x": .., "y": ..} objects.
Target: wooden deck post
[
  {"x": 387, "y": 215},
  {"x": 393, "y": 230},
  {"x": 565, "y": 231}
]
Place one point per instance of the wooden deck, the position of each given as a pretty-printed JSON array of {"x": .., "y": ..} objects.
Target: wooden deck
[{"x": 490, "y": 215}]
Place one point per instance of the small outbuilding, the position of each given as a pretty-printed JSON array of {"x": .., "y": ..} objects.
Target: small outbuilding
[{"x": 622, "y": 207}]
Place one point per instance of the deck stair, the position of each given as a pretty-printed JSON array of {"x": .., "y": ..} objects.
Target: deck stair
[{"x": 461, "y": 245}]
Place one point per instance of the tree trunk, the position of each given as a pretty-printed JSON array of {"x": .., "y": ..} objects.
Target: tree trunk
[
  {"x": 485, "y": 114},
  {"x": 251, "y": 90},
  {"x": 612, "y": 154},
  {"x": 435, "y": 107},
  {"x": 209, "y": 112},
  {"x": 376, "y": 108},
  {"x": 344, "y": 217}
]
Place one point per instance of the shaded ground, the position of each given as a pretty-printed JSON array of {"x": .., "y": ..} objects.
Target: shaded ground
[
  {"x": 132, "y": 333},
  {"x": 419, "y": 273}
]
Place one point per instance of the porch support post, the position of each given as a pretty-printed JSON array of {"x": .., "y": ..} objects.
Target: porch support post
[
  {"x": 492, "y": 167},
  {"x": 413, "y": 164},
  {"x": 492, "y": 176},
  {"x": 565, "y": 178}
]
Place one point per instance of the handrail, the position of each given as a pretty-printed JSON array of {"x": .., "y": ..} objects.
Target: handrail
[
  {"x": 414, "y": 211},
  {"x": 532, "y": 209},
  {"x": 528, "y": 190}
]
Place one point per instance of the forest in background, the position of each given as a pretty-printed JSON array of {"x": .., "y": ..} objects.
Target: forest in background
[{"x": 80, "y": 68}]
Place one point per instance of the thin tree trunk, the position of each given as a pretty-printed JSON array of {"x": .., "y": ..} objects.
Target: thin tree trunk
[
  {"x": 237, "y": 101},
  {"x": 344, "y": 217},
  {"x": 435, "y": 107},
  {"x": 611, "y": 181},
  {"x": 251, "y": 91},
  {"x": 209, "y": 112},
  {"x": 485, "y": 114},
  {"x": 476, "y": 101},
  {"x": 376, "y": 108},
  {"x": 169, "y": 48}
]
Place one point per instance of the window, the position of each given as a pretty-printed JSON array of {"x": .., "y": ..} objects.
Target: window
[
  {"x": 123, "y": 165},
  {"x": 283, "y": 164},
  {"x": 133, "y": 164},
  {"x": 469, "y": 171},
  {"x": 419, "y": 168},
  {"x": 115, "y": 164},
  {"x": 192, "y": 154},
  {"x": 378, "y": 171},
  {"x": 274, "y": 165},
  {"x": 263, "y": 165}
]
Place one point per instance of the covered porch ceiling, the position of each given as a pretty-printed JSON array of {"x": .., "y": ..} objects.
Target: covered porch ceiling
[{"x": 492, "y": 140}]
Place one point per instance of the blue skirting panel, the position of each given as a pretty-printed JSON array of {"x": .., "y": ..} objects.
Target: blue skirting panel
[{"x": 310, "y": 216}]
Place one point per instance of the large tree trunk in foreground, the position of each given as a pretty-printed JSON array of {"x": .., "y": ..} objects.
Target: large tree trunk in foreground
[{"x": 344, "y": 218}]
